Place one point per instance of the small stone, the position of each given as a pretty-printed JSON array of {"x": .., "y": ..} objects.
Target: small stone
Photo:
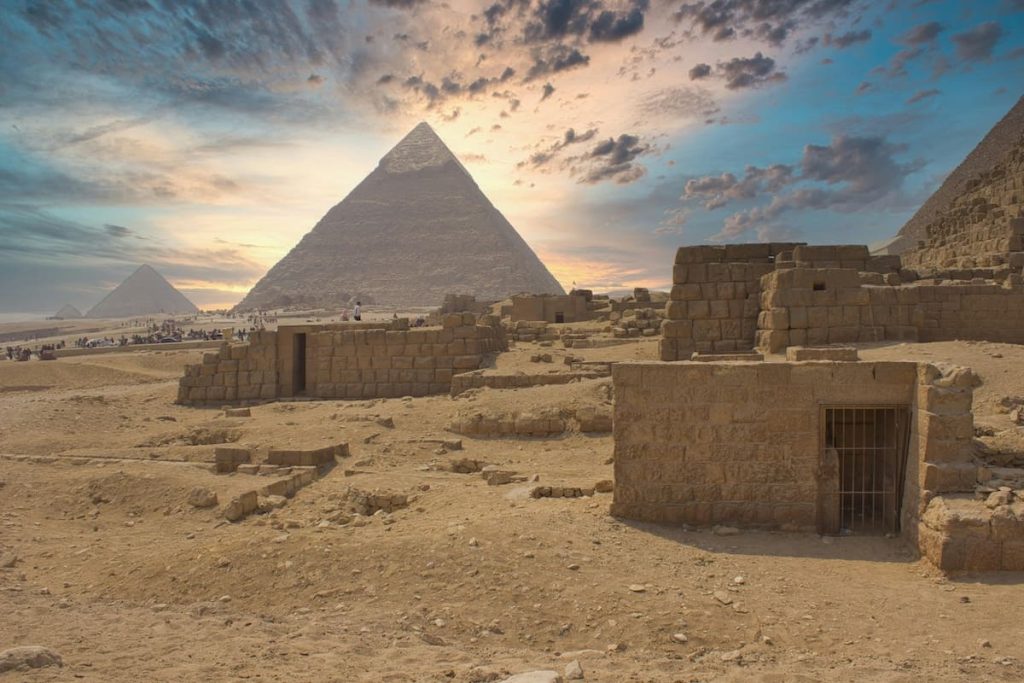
[
  {"x": 574, "y": 671},
  {"x": 984, "y": 643},
  {"x": 8, "y": 560},
  {"x": 604, "y": 486},
  {"x": 739, "y": 580},
  {"x": 474, "y": 543},
  {"x": 159, "y": 607},
  {"x": 637, "y": 588},
  {"x": 679, "y": 638},
  {"x": 731, "y": 656},
  {"x": 720, "y": 530},
  {"x": 574, "y": 567},
  {"x": 223, "y": 562},
  {"x": 998, "y": 498},
  {"x": 723, "y": 597}
]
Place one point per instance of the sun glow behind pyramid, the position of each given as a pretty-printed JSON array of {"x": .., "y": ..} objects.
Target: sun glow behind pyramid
[{"x": 418, "y": 227}]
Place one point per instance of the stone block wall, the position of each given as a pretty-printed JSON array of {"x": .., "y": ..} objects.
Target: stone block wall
[
  {"x": 983, "y": 227},
  {"x": 713, "y": 304},
  {"x": 235, "y": 372},
  {"x": 734, "y": 444},
  {"x": 345, "y": 363},
  {"x": 741, "y": 445},
  {"x": 814, "y": 306}
]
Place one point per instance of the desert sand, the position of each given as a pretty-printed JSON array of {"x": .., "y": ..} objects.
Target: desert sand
[{"x": 106, "y": 562}]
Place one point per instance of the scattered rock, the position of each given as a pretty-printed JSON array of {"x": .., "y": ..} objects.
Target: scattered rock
[
  {"x": 720, "y": 530},
  {"x": 723, "y": 597},
  {"x": 679, "y": 638},
  {"x": 28, "y": 657},
  {"x": 534, "y": 677},
  {"x": 638, "y": 588},
  {"x": 574, "y": 671},
  {"x": 268, "y": 503},
  {"x": 8, "y": 560},
  {"x": 997, "y": 498},
  {"x": 202, "y": 497},
  {"x": 604, "y": 486},
  {"x": 237, "y": 412},
  {"x": 731, "y": 656},
  {"x": 386, "y": 422}
]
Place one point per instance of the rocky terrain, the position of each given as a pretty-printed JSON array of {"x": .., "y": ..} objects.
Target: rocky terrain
[{"x": 460, "y": 574}]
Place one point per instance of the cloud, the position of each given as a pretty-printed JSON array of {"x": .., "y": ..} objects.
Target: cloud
[
  {"x": 548, "y": 153},
  {"x": 613, "y": 159},
  {"x": 749, "y": 72},
  {"x": 845, "y": 40},
  {"x": 117, "y": 230},
  {"x": 700, "y": 71},
  {"x": 679, "y": 103},
  {"x": 555, "y": 59},
  {"x": 717, "y": 191},
  {"x": 922, "y": 33},
  {"x": 770, "y": 21},
  {"x": 977, "y": 44},
  {"x": 548, "y": 90},
  {"x": 848, "y": 174},
  {"x": 923, "y": 95},
  {"x": 557, "y": 19}
]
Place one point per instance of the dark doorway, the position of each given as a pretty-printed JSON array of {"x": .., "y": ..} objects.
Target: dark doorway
[
  {"x": 861, "y": 468},
  {"x": 559, "y": 317},
  {"x": 299, "y": 364}
]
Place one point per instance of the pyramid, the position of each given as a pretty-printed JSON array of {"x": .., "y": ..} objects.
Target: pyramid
[
  {"x": 994, "y": 150},
  {"x": 67, "y": 312},
  {"x": 415, "y": 229},
  {"x": 144, "y": 292}
]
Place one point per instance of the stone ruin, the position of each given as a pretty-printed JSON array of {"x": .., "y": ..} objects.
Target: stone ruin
[
  {"x": 741, "y": 297},
  {"x": 343, "y": 361}
]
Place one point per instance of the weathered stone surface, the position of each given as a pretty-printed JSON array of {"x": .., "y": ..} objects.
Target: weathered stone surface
[
  {"x": 28, "y": 657},
  {"x": 534, "y": 677},
  {"x": 202, "y": 497}
]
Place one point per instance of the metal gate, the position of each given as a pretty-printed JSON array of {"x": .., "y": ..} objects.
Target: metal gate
[{"x": 861, "y": 468}]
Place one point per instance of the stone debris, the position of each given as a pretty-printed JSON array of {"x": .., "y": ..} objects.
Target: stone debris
[
  {"x": 29, "y": 657},
  {"x": 560, "y": 492},
  {"x": 202, "y": 497},
  {"x": 237, "y": 412},
  {"x": 574, "y": 671},
  {"x": 534, "y": 677}
]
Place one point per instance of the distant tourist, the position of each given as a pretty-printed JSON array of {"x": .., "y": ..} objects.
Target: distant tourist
[{"x": 357, "y": 312}]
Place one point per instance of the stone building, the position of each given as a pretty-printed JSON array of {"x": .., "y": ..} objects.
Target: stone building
[
  {"x": 832, "y": 447},
  {"x": 565, "y": 308},
  {"x": 343, "y": 361},
  {"x": 735, "y": 298}
]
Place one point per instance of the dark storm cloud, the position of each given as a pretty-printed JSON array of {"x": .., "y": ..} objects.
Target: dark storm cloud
[
  {"x": 117, "y": 230},
  {"x": 548, "y": 90},
  {"x": 749, "y": 72},
  {"x": 977, "y": 44},
  {"x": 845, "y": 40},
  {"x": 700, "y": 71},
  {"x": 400, "y": 4},
  {"x": 923, "y": 95}
]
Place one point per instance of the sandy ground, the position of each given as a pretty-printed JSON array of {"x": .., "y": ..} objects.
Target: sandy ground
[{"x": 471, "y": 582}]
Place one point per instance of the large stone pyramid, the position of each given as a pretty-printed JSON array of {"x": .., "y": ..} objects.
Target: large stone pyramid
[
  {"x": 415, "y": 229},
  {"x": 992, "y": 154},
  {"x": 145, "y": 292}
]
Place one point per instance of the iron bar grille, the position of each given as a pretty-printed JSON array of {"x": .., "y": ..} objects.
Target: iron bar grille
[{"x": 863, "y": 460}]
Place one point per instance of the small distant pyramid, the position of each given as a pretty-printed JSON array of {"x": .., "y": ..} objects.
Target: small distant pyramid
[
  {"x": 993, "y": 151},
  {"x": 417, "y": 228},
  {"x": 145, "y": 292},
  {"x": 67, "y": 312}
]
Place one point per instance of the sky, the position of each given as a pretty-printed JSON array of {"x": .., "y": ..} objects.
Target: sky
[{"x": 205, "y": 138}]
